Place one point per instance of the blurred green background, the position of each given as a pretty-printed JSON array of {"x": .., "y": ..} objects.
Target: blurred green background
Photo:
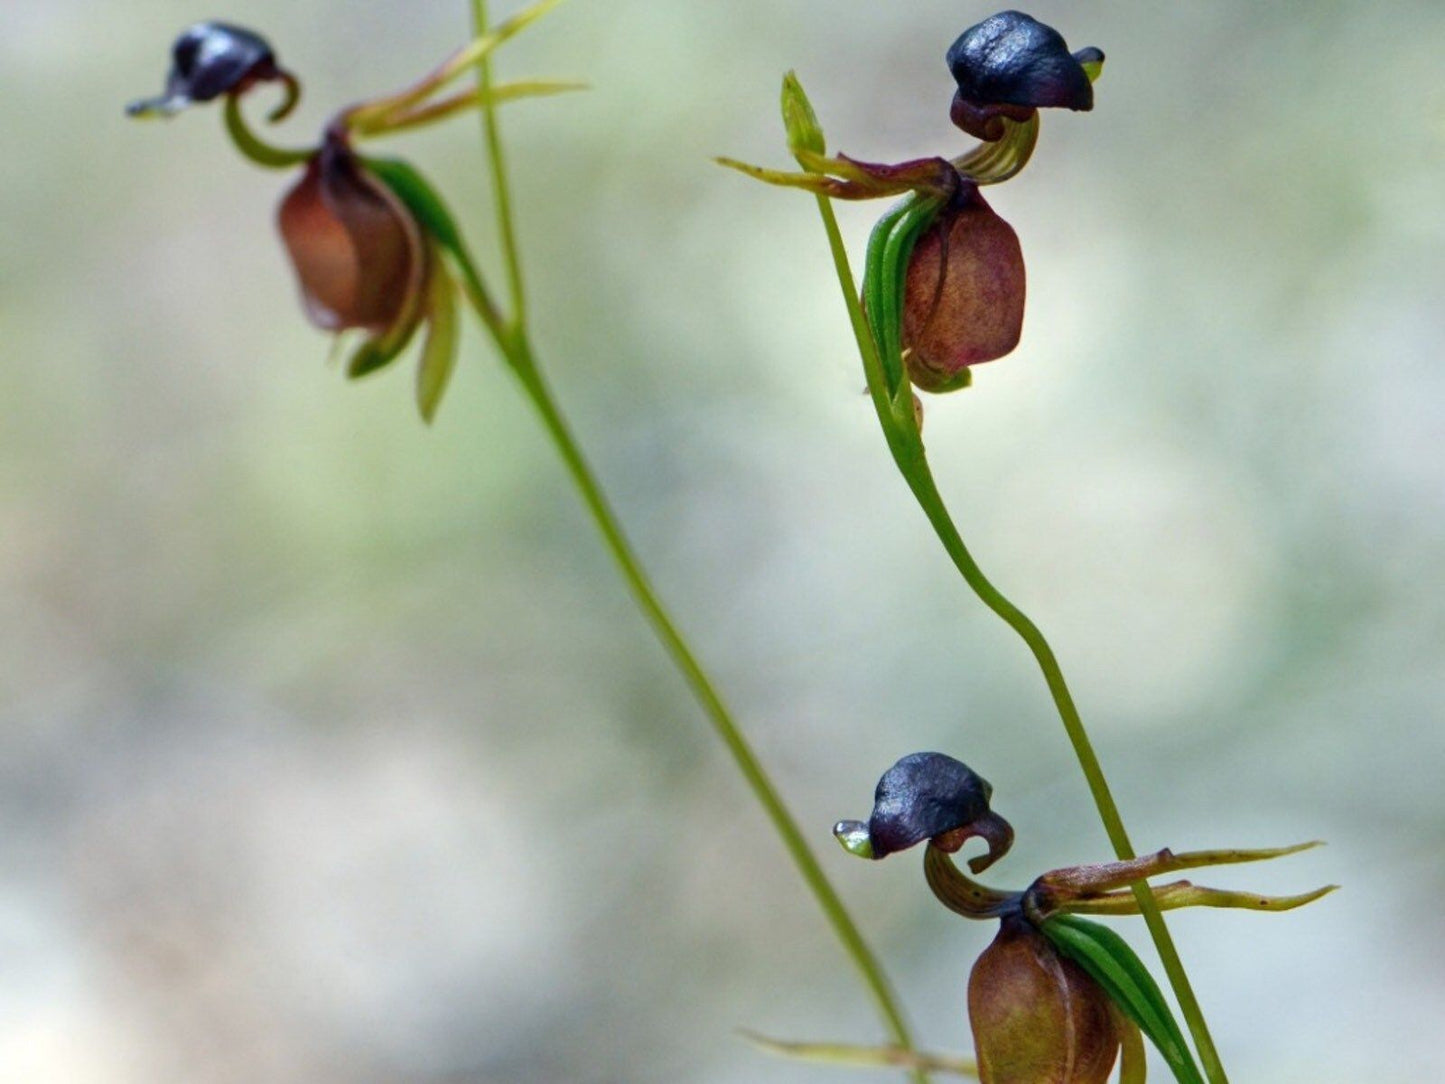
[{"x": 331, "y": 747}]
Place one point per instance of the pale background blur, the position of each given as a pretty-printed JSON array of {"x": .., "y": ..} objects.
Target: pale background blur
[{"x": 331, "y": 747}]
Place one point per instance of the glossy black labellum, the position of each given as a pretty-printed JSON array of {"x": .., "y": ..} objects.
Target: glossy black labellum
[
  {"x": 1013, "y": 59},
  {"x": 930, "y": 796},
  {"x": 211, "y": 59}
]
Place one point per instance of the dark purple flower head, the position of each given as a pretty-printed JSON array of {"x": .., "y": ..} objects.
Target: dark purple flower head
[
  {"x": 1013, "y": 59},
  {"x": 929, "y": 796},
  {"x": 212, "y": 59},
  {"x": 1011, "y": 64}
]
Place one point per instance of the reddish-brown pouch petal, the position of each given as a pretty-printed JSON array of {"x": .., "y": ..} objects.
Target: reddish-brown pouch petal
[
  {"x": 963, "y": 300},
  {"x": 358, "y": 253},
  {"x": 1037, "y": 1017}
]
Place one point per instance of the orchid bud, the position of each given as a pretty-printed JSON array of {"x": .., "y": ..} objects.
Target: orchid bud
[
  {"x": 1037, "y": 1016},
  {"x": 963, "y": 298},
  {"x": 212, "y": 59},
  {"x": 799, "y": 120}
]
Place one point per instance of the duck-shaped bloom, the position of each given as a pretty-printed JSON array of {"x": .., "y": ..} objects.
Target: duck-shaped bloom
[
  {"x": 374, "y": 249},
  {"x": 1053, "y": 999},
  {"x": 212, "y": 59},
  {"x": 944, "y": 286}
]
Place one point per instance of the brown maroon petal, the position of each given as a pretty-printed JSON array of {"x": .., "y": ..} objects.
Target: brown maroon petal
[
  {"x": 1037, "y": 1017},
  {"x": 986, "y": 122},
  {"x": 963, "y": 299},
  {"x": 357, "y": 251}
]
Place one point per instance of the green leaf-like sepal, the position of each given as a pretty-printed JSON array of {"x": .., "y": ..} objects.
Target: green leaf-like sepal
[
  {"x": 436, "y": 219},
  {"x": 1113, "y": 965},
  {"x": 889, "y": 247},
  {"x": 799, "y": 120},
  {"x": 439, "y": 353}
]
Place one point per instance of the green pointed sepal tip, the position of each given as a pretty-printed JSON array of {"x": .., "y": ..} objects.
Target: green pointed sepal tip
[
  {"x": 853, "y": 835},
  {"x": 805, "y": 134}
]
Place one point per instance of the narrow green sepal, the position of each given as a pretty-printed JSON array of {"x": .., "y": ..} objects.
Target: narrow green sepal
[
  {"x": 420, "y": 197},
  {"x": 1132, "y": 1067},
  {"x": 1111, "y": 963},
  {"x": 439, "y": 352},
  {"x": 799, "y": 120},
  {"x": 863, "y": 1057},
  {"x": 875, "y": 307},
  {"x": 890, "y": 246},
  {"x": 436, "y": 219},
  {"x": 379, "y": 351}
]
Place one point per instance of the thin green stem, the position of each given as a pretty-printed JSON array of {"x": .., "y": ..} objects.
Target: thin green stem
[
  {"x": 514, "y": 342},
  {"x": 748, "y": 765},
  {"x": 912, "y": 462},
  {"x": 501, "y": 190}
]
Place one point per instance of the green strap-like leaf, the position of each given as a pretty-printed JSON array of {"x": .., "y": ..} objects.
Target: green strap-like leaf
[{"x": 1112, "y": 964}]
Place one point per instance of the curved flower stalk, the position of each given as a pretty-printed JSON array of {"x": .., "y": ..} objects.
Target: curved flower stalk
[
  {"x": 1054, "y": 999},
  {"x": 377, "y": 254}
]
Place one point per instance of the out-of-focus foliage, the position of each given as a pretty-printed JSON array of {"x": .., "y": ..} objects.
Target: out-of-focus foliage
[{"x": 312, "y": 720}]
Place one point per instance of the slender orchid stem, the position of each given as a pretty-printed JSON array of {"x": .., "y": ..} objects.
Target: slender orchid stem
[
  {"x": 912, "y": 462},
  {"x": 515, "y": 344},
  {"x": 501, "y": 190}
]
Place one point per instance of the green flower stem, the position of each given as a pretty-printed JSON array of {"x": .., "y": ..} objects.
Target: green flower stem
[
  {"x": 908, "y": 453},
  {"x": 520, "y": 357},
  {"x": 501, "y": 190},
  {"x": 515, "y": 344}
]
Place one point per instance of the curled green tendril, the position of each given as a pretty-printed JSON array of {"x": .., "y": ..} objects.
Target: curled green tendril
[
  {"x": 992, "y": 163},
  {"x": 253, "y": 146}
]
